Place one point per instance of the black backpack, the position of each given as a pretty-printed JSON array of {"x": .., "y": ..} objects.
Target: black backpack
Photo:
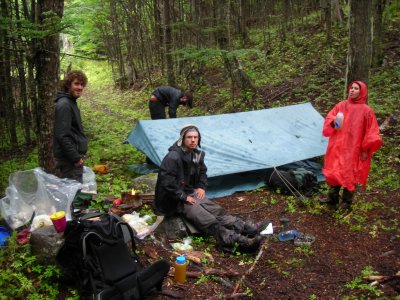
[
  {"x": 95, "y": 254},
  {"x": 292, "y": 181}
]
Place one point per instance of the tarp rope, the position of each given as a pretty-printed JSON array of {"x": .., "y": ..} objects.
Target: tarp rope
[{"x": 290, "y": 187}]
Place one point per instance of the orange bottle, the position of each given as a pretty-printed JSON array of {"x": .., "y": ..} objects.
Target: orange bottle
[{"x": 180, "y": 269}]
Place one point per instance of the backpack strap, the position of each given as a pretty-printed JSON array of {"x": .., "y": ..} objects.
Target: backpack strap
[{"x": 91, "y": 215}]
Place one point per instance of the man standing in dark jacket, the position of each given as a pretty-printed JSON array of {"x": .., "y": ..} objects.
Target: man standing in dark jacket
[
  {"x": 180, "y": 191},
  {"x": 70, "y": 142},
  {"x": 167, "y": 96}
]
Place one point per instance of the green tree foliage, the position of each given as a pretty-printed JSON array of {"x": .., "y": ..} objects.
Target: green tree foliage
[
  {"x": 84, "y": 37},
  {"x": 296, "y": 69}
]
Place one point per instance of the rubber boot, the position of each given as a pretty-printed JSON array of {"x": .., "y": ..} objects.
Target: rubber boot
[
  {"x": 228, "y": 240},
  {"x": 248, "y": 244},
  {"x": 333, "y": 197},
  {"x": 347, "y": 199},
  {"x": 213, "y": 230},
  {"x": 250, "y": 228}
]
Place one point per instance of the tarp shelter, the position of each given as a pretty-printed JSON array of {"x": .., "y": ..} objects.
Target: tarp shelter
[{"x": 239, "y": 143}]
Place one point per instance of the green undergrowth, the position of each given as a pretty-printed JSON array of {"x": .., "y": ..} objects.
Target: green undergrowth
[
  {"x": 302, "y": 68},
  {"x": 22, "y": 277}
]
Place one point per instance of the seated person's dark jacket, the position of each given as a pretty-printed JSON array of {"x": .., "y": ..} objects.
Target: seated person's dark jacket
[{"x": 180, "y": 173}]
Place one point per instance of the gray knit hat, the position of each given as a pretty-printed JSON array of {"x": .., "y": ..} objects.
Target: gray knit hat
[{"x": 185, "y": 129}]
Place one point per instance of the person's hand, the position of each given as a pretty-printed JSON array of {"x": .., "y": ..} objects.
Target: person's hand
[
  {"x": 200, "y": 193},
  {"x": 79, "y": 163},
  {"x": 364, "y": 155},
  {"x": 191, "y": 200}
]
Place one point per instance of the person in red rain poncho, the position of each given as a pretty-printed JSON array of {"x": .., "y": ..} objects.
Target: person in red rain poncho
[{"x": 352, "y": 143}]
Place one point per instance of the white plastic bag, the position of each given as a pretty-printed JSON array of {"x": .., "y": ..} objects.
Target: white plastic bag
[
  {"x": 14, "y": 210},
  {"x": 140, "y": 224},
  {"x": 89, "y": 184},
  {"x": 41, "y": 221},
  {"x": 36, "y": 192}
]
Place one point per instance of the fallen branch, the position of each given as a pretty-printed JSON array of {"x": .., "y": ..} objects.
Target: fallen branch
[
  {"x": 219, "y": 272},
  {"x": 170, "y": 293},
  {"x": 151, "y": 252},
  {"x": 391, "y": 120},
  {"x": 375, "y": 277},
  {"x": 381, "y": 278},
  {"x": 391, "y": 252},
  {"x": 237, "y": 287},
  {"x": 195, "y": 256},
  {"x": 233, "y": 296},
  {"x": 246, "y": 212},
  {"x": 207, "y": 271},
  {"x": 189, "y": 256},
  {"x": 146, "y": 197},
  {"x": 212, "y": 271},
  {"x": 385, "y": 123}
]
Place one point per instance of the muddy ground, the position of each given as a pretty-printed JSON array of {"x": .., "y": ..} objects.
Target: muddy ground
[{"x": 331, "y": 268}]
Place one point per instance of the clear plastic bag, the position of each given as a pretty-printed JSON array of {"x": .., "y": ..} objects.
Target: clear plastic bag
[
  {"x": 36, "y": 192},
  {"x": 89, "y": 185}
]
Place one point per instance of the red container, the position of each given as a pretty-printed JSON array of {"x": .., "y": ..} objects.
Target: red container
[{"x": 59, "y": 221}]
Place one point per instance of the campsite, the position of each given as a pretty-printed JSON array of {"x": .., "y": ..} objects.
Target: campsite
[{"x": 260, "y": 97}]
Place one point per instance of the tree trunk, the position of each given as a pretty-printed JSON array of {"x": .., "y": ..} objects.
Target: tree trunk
[
  {"x": 168, "y": 43},
  {"x": 132, "y": 21},
  {"x": 47, "y": 67},
  {"x": 121, "y": 78},
  {"x": 327, "y": 19},
  {"x": 337, "y": 11},
  {"x": 158, "y": 35},
  {"x": 231, "y": 63},
  {"x": 285, "y": 19},
  {"x": 26, "y": 116},
  {"x": 377, "y": 50},
  {"x": 30, "y": 57},
  {"x": 359, "y": 52},
  {"x": 243, "y": 16},
  {"x": 5, "y": 70}
]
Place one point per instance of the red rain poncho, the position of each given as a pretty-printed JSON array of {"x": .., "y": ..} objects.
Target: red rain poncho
[{"x": 360, "y": 133}]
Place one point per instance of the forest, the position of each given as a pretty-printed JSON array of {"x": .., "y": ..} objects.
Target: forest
[{"x": 233, "y": 56}]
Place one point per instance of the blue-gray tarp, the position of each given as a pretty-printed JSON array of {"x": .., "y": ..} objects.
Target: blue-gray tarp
[{"x": 240, "y": 142}]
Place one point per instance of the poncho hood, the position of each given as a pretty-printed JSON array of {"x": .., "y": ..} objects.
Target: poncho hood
[{"x": 363, "y": 96}]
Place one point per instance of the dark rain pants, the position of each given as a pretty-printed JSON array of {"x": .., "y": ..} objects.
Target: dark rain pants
[{"x": 210, "y": 218}]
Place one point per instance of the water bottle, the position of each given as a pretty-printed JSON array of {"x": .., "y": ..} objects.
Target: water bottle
[
  {"x": 285, "y": 234},
  {"x": 180, "y": 269},
  {"x": 339, "y": 120}
]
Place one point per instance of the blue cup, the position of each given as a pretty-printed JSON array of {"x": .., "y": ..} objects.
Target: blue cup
[{"x": 4, "y": 235}]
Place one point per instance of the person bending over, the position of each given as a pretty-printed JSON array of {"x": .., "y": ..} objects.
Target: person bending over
[{"x": 164, "y": 96}]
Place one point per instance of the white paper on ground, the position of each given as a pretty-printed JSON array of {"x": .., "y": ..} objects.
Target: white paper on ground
[{"x": 268, "y": 230}]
